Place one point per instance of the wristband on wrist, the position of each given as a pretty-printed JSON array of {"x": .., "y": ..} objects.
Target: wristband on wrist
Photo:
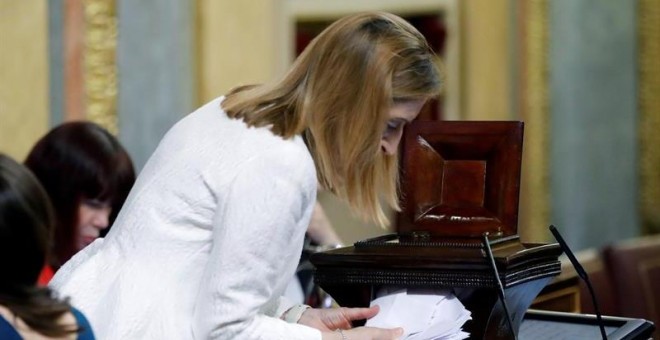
[{"x": 293, "y": 314}]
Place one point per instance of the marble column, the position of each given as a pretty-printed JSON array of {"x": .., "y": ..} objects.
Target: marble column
[
  {"x": 593, "y": 137},
  {"x": 155, "y": 60}
]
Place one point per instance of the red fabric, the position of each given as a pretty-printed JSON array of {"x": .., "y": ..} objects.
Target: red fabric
[{"x": 45, "y": 276}]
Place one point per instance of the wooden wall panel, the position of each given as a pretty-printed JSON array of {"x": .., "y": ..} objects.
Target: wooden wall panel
[
  {"x": 648, "y": 30},
  {"x": 486, "y": 47},
  {"x": 73, "y": 38},
  {"x": 24, "y": 105},
  {"x": 237, "y": 44},
  {"x": 532, "y": 85}
]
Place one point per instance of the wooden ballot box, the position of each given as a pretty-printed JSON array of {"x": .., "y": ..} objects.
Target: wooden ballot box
[{"x": 460, "y": 180}]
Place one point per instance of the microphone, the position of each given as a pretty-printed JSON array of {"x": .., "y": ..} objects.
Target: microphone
[
  {"x": 582, "y": 274},
  {"x": 500, "y": 287}
]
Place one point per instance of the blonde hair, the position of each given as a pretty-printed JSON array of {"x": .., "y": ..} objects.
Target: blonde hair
[{"x": 338, "y": 93}]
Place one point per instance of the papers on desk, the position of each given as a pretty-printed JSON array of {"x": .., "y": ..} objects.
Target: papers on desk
[{"x": 424, "y": 314}]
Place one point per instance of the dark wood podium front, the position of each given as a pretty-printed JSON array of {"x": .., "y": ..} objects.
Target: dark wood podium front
[
  {"x": 352, "y": 275},
  {"x": 460, "y": 180}
]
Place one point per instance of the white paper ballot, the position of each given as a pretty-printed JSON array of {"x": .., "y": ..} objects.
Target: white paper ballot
[{"x": 424, "y": 314}]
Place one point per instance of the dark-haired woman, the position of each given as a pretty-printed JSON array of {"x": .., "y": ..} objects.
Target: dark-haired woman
[
  {"x": 26, "y": 224},
  {"x": 87, "y": 175}
]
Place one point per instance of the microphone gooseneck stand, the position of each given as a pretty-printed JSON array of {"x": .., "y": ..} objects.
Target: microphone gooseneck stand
[
  {"x": 500, "y": 287},
  {"x": 582, "y": 274}
]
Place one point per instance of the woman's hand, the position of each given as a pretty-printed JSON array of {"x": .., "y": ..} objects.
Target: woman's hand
[
  {"x": 328, "y": 320},
  {"x": 364, "y": 333}
]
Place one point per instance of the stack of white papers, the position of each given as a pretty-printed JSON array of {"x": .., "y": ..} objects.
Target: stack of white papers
[{"x": 424, "y": 314}]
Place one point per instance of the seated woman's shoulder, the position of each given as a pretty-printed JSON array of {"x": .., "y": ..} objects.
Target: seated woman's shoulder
[
  {"x": 13, "y": 327},
  {"x": 84, "y": 328}
]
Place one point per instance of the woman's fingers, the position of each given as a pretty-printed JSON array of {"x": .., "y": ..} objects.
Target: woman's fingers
[
  {"x": 360, "y": 313},
  {"x": 372, "y": 333},
  {"x": 335, "y": 318}
]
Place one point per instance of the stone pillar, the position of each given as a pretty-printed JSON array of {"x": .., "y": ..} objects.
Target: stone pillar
[
  {"x": 155, "y": 60},
  {"x": 593, "y": 137}
]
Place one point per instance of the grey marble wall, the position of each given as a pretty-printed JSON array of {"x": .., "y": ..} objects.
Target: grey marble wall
[
  {"x": 594, "y": 115},
  {"x": 155, "y": 65},
  {"x": 56, "y": 60},
  {"x": 155, "y": 60}
]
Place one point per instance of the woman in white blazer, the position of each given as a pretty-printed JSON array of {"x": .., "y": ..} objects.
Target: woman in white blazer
[{"x": 212, "y": 231}]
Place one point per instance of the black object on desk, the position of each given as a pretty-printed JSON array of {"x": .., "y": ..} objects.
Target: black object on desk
[{"x": 541, "y": 325}]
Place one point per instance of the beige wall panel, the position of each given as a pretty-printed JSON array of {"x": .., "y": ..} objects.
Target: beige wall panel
[
  {"x": 534, "y": 216},
  {"x": 23, "y": 75},
  {"x": 487, "y": 77},
  {"x": 236, "y": 40},
  {"x": 349, "y": 227}
]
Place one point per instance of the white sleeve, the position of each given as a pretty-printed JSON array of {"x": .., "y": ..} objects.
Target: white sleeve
[
  {"x": 266, "y": 210},
  {"x": 283, "y": 305}
]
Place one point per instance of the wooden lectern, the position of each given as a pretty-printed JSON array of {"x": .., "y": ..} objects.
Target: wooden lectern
[{"x": 459, "y": 181}]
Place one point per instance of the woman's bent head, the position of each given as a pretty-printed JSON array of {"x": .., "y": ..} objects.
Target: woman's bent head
[{"x": 345, "y": 93}]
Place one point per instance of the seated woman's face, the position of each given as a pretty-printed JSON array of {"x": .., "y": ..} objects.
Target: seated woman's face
[{"x": 93, "y": 216}]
